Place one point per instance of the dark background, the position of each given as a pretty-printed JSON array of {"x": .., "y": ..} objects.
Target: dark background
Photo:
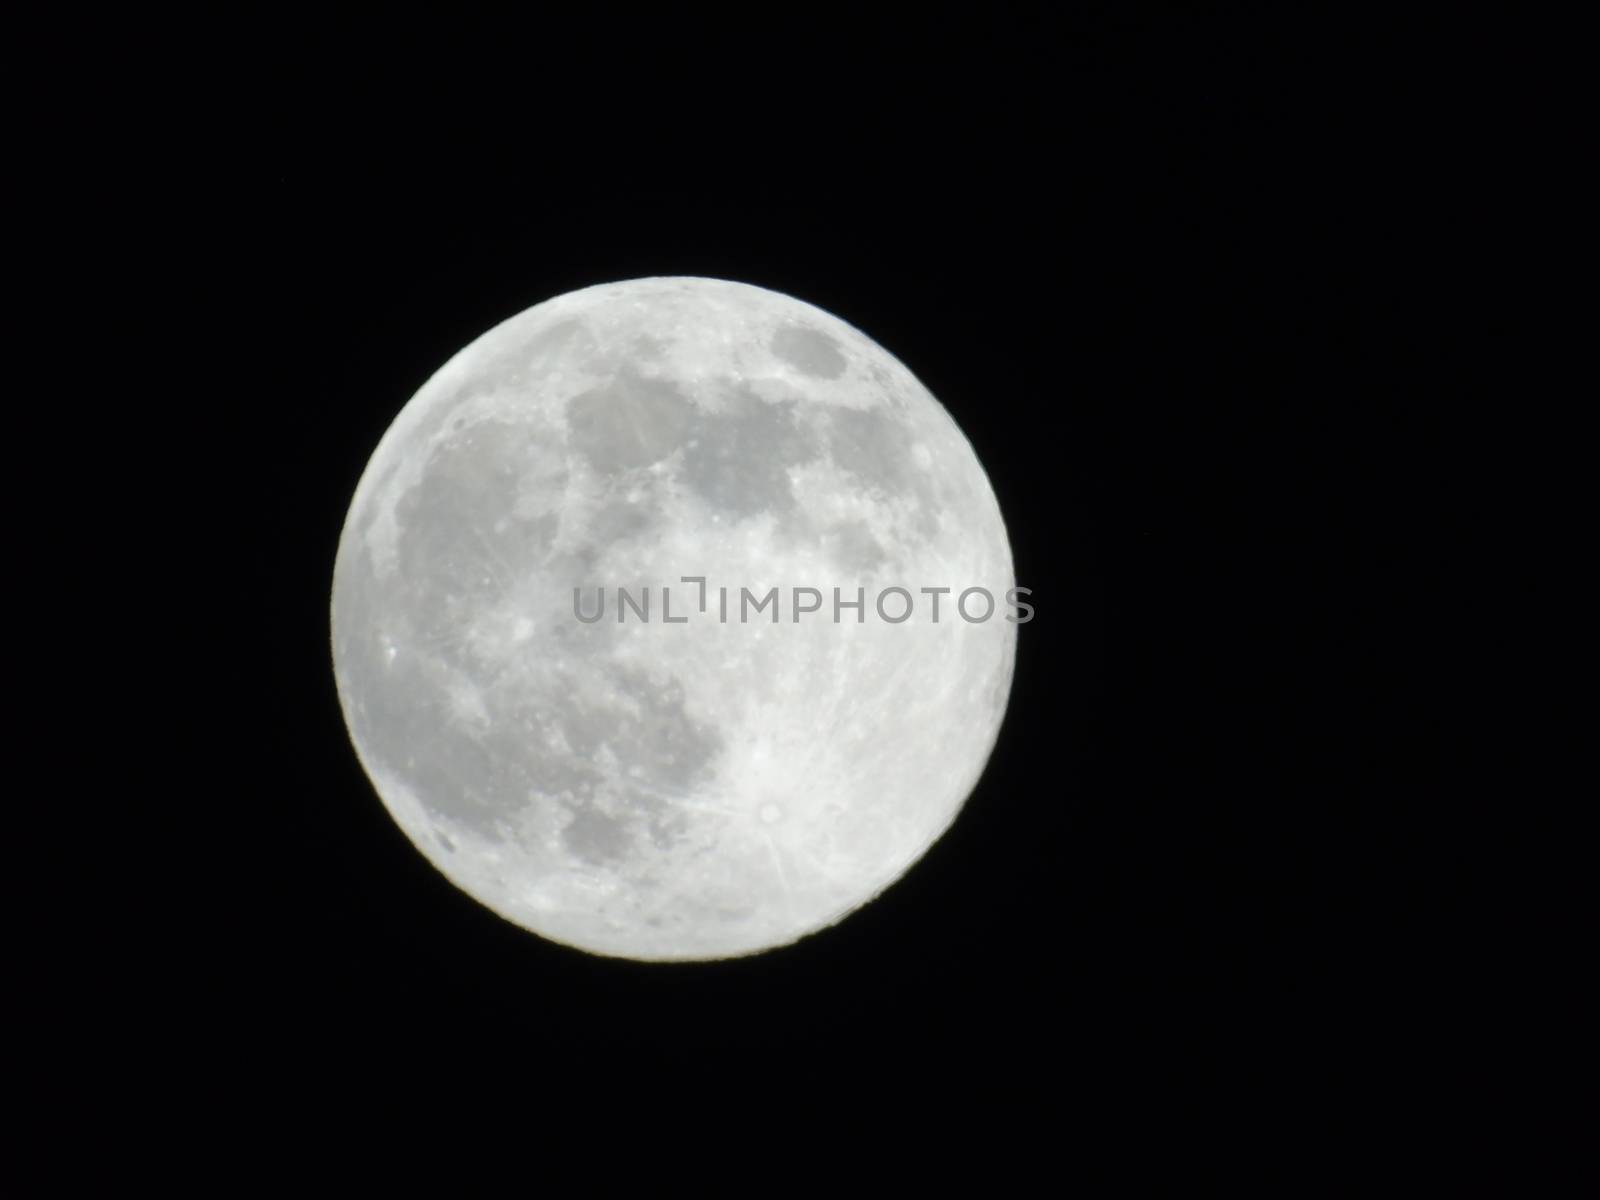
[{"x": 1178, "y": 280}]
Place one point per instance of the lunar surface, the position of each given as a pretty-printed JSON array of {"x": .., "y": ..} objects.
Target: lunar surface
[{"x": 687, "y": 775}]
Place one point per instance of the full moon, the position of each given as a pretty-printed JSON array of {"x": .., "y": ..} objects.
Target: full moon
[{"x": 673, "y": 619}]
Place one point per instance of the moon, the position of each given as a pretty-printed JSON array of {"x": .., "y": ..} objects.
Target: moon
[{"x": 691, "y": 774}]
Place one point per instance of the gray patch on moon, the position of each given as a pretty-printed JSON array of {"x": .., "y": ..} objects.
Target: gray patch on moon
[
  {"x": 809, "y": 351},
  {"x": 643, "y": 731},
  {"x": 648, "y": 348},
  {"x": 454, "y": 557},
  {"x": 875, "y": 448},
  {"x": 737, "y": 459},
  {"x": 643, "y": 726},
  {"x": 464, "y": 776},
  {"x": 853, "y": 547},
  {"x": 631, "y": 421},
  {"x": 547, "y": 343},
  {"x": 619, "y": 519},
  {"x": 531, "y": 742},
  {"x": 596, "y": 837}
]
